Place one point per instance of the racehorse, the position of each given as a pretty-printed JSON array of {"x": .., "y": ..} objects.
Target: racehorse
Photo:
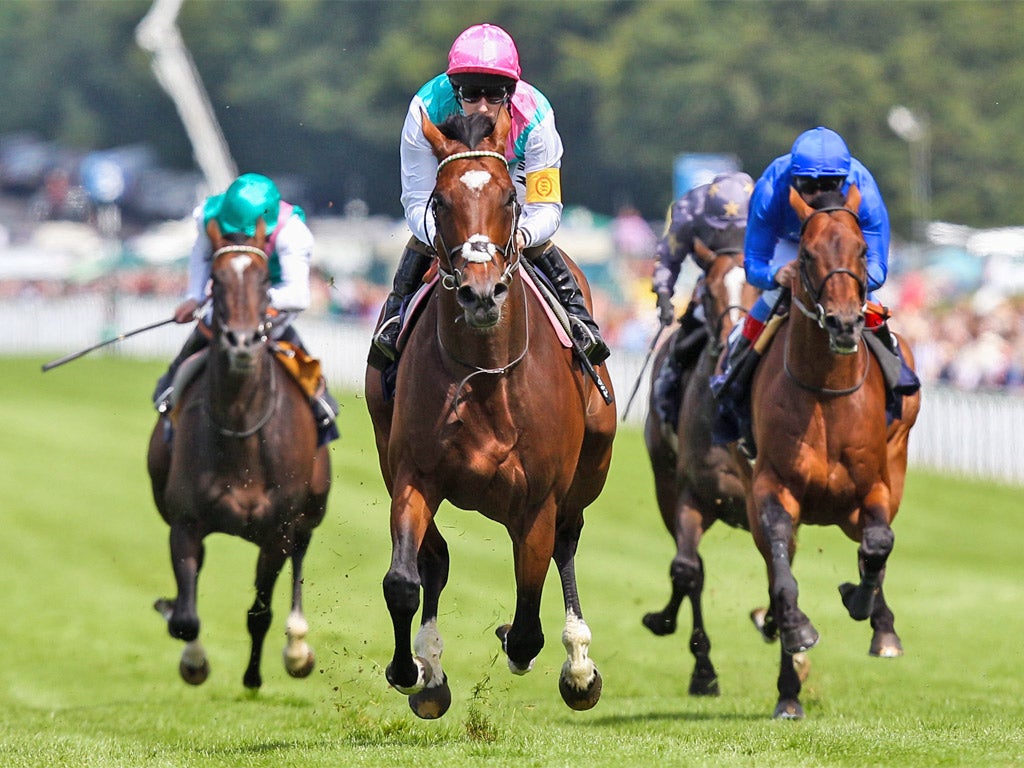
[
  {"x": 491, "y": 413},
  {"x": 243, "y": 461},
  {"x": 697, "y": 482},
  {"x": 825, "y": 453}
]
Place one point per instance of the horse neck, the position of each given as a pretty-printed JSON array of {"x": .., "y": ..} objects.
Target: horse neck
[
  {"x": 238, "y": 400},
  {"x": 808, "y": 357}
]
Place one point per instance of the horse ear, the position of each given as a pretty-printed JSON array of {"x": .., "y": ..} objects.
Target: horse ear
[
  {"x": 502, "y": 125},
  {"x": 438, "y": 141},
  {"x": 261, "y": 232},
  {"x": 213, "y": 232},
  {"x": 803, "y": 210},
  {"x": 702, "y": 254},
  {"x": 853, "y": 199}
]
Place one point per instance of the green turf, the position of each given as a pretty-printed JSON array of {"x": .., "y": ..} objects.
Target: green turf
[{"x": 89, "y": 674}]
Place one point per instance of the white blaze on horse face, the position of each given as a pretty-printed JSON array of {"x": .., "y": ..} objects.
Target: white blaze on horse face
[
  {"x": 240, "y": 264},
  {"x": 475, "y": 180},
  {"x": 478, "y": 249},
  {"x": 734, "y": 280}
]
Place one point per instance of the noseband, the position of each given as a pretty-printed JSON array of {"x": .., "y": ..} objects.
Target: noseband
[
  {"x": 478, "y": 249},
  {"x": 818, "y": 314}
]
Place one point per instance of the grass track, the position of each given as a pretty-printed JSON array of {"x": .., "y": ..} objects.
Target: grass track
[{"x": 90, "y": 675}]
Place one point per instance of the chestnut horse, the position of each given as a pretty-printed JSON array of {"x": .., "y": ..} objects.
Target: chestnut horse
[
  {"x": 243, "y": 460},
  {"x": 492, "y": 414},
  {"x": 697, "y": 482},
  {"x": 825, "y": 453}
]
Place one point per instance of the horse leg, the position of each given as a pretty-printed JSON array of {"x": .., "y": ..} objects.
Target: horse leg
[
  {"x": 666, "y": 488},
  {"x": 875, "y": 546},
  {"x": 764, "y": 623},
  {"x": 268, "y": 566},
  {"x": 776, "y": 543},
  {"x": 788, "y": 706},
  {"x": 580, "y": 682},
  {"x": 532, "y": 549},
  {"x": 299, "y": 658},
  {"x": 885, "y": 643},
  {"x": 410, "y": 519},
  {"x": 187, "y": 554},
  {"x": 435, "y": 698}
]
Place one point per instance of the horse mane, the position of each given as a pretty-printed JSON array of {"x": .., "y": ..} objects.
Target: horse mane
[{"x": 467, "y": 129}]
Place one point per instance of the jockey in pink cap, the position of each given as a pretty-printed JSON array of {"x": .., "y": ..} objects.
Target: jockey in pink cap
[{"x": 483, "y": 75}]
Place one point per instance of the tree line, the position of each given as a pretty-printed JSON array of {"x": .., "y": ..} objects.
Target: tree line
[{"x": 319, "y": 88}]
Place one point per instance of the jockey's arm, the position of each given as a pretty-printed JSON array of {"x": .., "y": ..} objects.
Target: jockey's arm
[
  {"x": 294, "y": 248},
  {"x": 419, "y": 174},
  {"x": 538, "y": 183}
]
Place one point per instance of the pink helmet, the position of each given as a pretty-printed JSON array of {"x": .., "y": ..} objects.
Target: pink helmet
[{"x": 484, "y": 49}]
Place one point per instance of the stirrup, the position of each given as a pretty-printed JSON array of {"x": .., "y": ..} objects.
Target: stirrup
[
  {"x": 162, "y": 402},
  {"x": 592, "y": 345},
  {"x": 382, "y": 341}
]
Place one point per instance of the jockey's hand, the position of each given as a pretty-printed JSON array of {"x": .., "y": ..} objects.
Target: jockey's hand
[
  {"x": 520, "y": 240},
  {"x": 186, "y": 311},
  {"x": 785, "y": 274},
  {"x": 666, "y": 312}
]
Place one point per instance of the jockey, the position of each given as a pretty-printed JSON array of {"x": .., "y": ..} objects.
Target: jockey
[
  {"x": 818, "y": 162},
  {"x": 715, "y": 214},
  {"x": 289, "y": 248},
  {"x": 483, "y": 76}
]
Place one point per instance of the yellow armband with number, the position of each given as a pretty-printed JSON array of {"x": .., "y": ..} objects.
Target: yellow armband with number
[{"x": 544, "y": 186}]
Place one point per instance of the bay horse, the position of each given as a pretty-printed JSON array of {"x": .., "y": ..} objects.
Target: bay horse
[
  {"x": 826, "y": 455},
  {"x": 491, "y": 413},
  {"x": 243, "y": 461},
  {"x": 697, "y": 482}
]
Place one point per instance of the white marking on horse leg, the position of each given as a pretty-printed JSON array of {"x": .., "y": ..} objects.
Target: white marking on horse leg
[
  {"x": 429, "y": 646},
  {"x": 194, "y": 655},
  {"x": 578, "y": 669},
  {"x": 296, "y": 651}
]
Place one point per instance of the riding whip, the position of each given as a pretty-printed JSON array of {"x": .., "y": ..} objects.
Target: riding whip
[
  {"x": 639, "y": 376},
  {"x": 87, "y": 350}
]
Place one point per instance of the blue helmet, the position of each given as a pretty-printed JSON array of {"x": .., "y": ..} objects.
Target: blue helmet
[
  {"x": 820, "y": 152},
  {"x": 250, "y": 197}
]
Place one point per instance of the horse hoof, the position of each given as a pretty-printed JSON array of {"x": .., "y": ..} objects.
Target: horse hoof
[
  {"x": 431, "y": 703},
  {"x": 886, "y": 645},
  {"x": 301, "y": 670},
  {"x": 252, "y": 680},
  {"x": 194, "y": 674},
  {"x": 659, "y": 624},
  {"x": 581, "y": 700},
  {"x": 516, "y": 669},
  {"x": 788, "y": 709},
  {"x": 799, "y": 639},
  {"x": 423, "y": 676},
  {"x": 802, "y": 664},
  {"x": 767, "y": 629},
  {"x": 859, "y": 602},
  {"x": 704, "y": 685}
]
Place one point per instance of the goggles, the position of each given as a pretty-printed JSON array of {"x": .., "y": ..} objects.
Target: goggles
[
  {"x": 809, "y": 185},
  {"x": 472, "y": 94}
]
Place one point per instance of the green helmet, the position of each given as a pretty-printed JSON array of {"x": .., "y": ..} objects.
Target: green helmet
[{"x": 250, "y": 197}]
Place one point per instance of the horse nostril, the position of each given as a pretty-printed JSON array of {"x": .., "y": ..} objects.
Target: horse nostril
[
  {"x": 500, "y": 292},
  {"x": 466, "y": 296}
]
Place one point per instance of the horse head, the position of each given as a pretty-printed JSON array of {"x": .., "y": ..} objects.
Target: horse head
[
  {"x": 475, "y": 213},
  {"x": 832, "y": 261},
  {"x": 240, "y": 278},
  {"x": 727, "y": 295}
]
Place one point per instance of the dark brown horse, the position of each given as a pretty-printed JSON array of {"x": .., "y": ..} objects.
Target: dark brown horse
[
  {"x": 695, "y": 481},
  {"x": 825, "y": 453},
  {"x": 490, "y": 413},
  {"x": 243, "y": 461}
]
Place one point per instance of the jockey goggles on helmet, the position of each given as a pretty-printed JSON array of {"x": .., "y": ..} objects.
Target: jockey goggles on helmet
[
  {"x": 471, "y": 94},
  {"x": 809, "y": 185}
]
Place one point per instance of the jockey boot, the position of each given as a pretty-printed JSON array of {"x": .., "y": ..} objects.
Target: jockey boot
[
  {"x": 325, "y": 407},
  {"x": 165, "y": 384},
  {"x": 411, "y": 268},
  {"x": 584, "y": 328},
  {"x": 666, "y": 391}
]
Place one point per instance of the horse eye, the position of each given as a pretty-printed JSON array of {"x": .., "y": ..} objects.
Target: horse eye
[{"x": 511, "y": 199}]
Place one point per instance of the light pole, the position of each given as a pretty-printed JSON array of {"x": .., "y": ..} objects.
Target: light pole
[{"x": 914, "y": 129}]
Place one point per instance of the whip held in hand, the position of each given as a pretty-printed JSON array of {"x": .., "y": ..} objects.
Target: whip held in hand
[
  {"x": 87, "y": 350},
  {"x": 639, "y": 376}
]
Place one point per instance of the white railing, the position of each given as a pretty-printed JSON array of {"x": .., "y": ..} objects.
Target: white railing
[{"x": 969, "y": 434}]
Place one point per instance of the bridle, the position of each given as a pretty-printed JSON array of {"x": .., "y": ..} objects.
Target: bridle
[
  {"x": 714, "y": 321},
  {"x": 818, "y": 314},
  {"x": 476, "y": 249},
  {"x": 263, "y": 330}
]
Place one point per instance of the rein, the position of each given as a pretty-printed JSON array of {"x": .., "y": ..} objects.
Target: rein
[
  {"x": 825, "y": 390},
  {"x": 260, "y": 424}
]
